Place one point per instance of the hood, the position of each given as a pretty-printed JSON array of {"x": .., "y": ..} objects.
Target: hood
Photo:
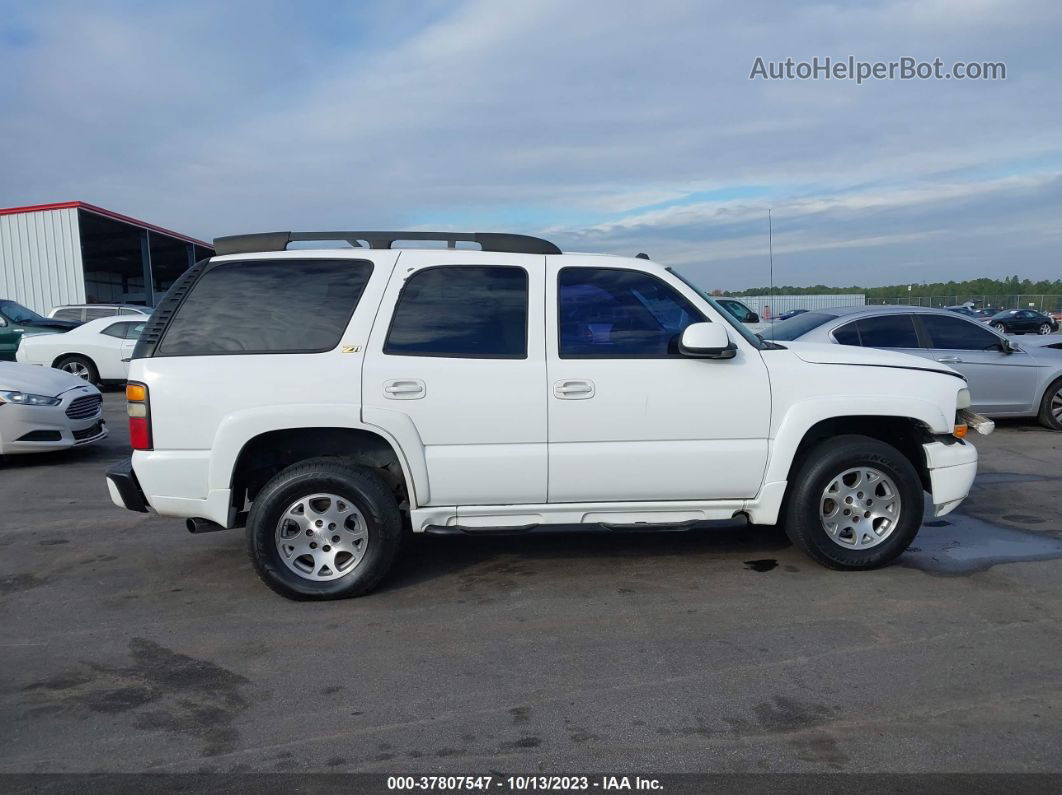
[
  {"x": 15, "y": 377},
  {"x": 829, "y": 353}
]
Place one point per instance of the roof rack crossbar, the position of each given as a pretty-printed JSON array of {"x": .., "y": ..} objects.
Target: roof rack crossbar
[{"x": 488, "y": 241}]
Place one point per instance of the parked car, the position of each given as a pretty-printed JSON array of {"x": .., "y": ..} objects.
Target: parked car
[
  {"x": 82, "y": 313},
  {"x": 43, "y": 410},
  {"x": 1023, "y": 321},
  {"x": 742, "y": 314},
  {"x": 96, "y": 351},
  {"x": 976, "y": 314},
  {"x": 791, "y": 313},
  {"x": 17, "y": 321},
  {"x": 1006, "y": 379},
  {"x": 453, "y": 390}
]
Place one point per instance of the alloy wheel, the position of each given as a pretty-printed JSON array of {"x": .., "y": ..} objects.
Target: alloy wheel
[
  {"x": 76, "y": 368},
  {"x": 860, "y": 508},
  {"x": 322, "y": 537}
]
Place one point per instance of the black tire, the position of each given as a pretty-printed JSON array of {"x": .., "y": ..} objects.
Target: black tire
[
  {"x": 75, "y": 360},
  {"x": 1047, "y": 416},
  {"x": 364, "y": 489},
  {"x": 1045, "y": 328},
  {"x": 824, "y": 463}
]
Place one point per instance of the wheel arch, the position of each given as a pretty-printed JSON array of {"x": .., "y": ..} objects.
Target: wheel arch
[
  {"x": 905, "y": 434},
  {"x": 264, "y": 455},
  {"x": 78, "y": 354}
]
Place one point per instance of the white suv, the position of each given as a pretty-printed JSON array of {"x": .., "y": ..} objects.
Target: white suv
[{"x": 329, "y": 399}]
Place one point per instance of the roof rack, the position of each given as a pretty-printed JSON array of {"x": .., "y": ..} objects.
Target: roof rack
[{"x": 278, "y": 241}]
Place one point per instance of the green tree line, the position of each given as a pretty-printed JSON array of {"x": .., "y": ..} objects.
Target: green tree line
[{"x": 973, "y": 287}]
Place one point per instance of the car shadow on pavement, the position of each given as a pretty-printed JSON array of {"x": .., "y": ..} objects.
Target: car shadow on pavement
[{"x": 424, "y": 558}]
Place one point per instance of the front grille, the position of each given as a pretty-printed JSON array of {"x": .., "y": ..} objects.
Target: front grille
[
  {"x": 84, "y": 407},
  {"x": 88, "y": 433}
]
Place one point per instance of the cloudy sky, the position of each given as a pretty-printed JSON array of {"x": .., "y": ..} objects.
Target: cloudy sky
[{"x": 606, "y": 126}]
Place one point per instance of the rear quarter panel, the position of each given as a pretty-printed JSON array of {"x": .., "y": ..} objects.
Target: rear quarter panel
[{"x": 204, "y": 409}]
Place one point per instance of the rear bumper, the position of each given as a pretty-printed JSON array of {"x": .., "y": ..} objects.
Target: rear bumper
[
  {"x": 124, "y": 488},
  {"x": 952, "y": 468}
]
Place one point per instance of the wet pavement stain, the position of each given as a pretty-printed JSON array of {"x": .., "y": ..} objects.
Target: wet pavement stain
[
  {"x": 1022, "y": 518},
  {"x": 965, "y": 545},
  {"x": 780, "y": 715},
  {"x": 993, "y": 478},
  {"x": 766, "y": 564},
  {"x": 19, "y": 582},
  {"x": 162, "y": 690},
  {"x": 820, "y": 748}
]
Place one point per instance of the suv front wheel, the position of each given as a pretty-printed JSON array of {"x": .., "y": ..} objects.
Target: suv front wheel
[
  {"x": 323, "y": 529},
  {"x": 856, "y": 503}
]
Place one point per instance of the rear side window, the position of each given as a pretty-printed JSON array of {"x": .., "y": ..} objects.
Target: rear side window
[
  {"x": 93, "y": 313},
  {"x": 886, "y": 331},
  {"x": 68, "y": 314},
  {"x": 272, "y": 306},
  {"x": 847, "y": 335},
  {"x": 461, "y": 312},
  {"x": 123, "y": 330}
]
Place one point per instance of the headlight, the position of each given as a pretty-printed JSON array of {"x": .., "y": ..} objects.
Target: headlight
[
  {"x": 27, "y": 399},
  {"x": 963, "y": 399}
]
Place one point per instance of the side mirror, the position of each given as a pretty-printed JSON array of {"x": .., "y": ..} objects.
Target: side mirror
[
  {"x": 752, "y": 317},
  {"x": 706, "y": 341}
]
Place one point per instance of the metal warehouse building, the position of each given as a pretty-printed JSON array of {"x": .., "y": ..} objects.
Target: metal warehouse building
[{"x": 74, "y": 253}]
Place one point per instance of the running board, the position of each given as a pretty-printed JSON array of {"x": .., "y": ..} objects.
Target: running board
[{"x": 598, "y": 527}]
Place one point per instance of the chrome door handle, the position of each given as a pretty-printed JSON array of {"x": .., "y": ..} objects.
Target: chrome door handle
[
  {"x": 949, "y": 359},
  {"x": 404, "y": 389},
  {"x": 573, "y": 390}
]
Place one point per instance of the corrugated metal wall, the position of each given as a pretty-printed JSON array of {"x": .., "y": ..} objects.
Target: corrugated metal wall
[
  {"x": 40, "y": 259},
  {"x": 783, "y": 303}
]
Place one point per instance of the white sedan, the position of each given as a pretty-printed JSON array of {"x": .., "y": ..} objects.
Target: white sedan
[
  {"x": 95, "y": 351},
  {"x": 43, "y": 410}
]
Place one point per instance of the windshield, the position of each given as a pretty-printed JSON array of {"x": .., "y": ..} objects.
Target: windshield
[
  {"x": 17, "y": 313},
  {"x": 796, "y": 327}
]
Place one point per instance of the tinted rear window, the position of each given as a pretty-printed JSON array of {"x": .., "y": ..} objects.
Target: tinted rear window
[
  {"x": 461, "y": 311},
  {"x": 888, "y": 331},
  {"x": 795, "y": 327},
  {"x": 274, "y": 306}
]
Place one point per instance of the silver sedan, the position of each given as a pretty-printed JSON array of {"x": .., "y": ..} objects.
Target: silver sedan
[{"x": 1007, "y": 379}]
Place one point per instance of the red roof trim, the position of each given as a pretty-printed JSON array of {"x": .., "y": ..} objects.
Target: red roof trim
[{"x": 92, "y": 208}]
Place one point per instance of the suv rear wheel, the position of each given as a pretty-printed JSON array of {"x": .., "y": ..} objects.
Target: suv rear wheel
[
  {"x": 323, "y": 529},
  {"x": 856, "y": 503}
]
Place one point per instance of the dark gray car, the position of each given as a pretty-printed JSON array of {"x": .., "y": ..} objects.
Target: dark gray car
[{"x": 1007, "y": 379}]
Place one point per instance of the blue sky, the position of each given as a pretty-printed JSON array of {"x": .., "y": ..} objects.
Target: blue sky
[{"x": 604, "y": 126}]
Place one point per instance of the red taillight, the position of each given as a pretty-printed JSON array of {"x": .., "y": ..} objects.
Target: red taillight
[
  {"x": 139, "y": 416},
  {"x": 140, "y": 433}
]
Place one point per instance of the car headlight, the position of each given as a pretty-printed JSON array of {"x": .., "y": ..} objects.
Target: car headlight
[
  {"x": 28, "y": 399},
  {"x": 964, "y": 401}
]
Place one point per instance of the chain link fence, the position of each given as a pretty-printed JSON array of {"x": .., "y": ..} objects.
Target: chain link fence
[{"x": 1041, "y": 303}]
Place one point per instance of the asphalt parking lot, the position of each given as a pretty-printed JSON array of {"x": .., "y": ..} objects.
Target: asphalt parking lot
[{"x": 130, "y": 645}]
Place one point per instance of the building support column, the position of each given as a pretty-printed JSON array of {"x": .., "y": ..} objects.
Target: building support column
[
  {"x": 191, "y": 254},
  {"x": 145, "y": 261}
]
